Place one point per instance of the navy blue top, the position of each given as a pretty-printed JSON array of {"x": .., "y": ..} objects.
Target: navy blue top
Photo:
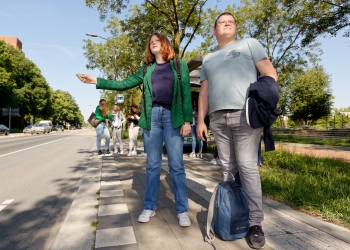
[{"x": 163, "y": 85}]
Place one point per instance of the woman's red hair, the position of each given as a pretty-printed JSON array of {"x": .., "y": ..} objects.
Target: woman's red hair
[{"x": 166, "y": 48}]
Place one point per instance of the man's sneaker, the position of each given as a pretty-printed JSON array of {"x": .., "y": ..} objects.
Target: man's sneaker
[
  {"x": 193, "y": 154},
  {"x": 184, "y": 221},
  {"x": 199, "y": 155},
  {"x": 146, "y": 215},
  {"x": 218, "y": 162},
  {"x": 100, "y": 152},
  {"x": 121, "y": 152},
  {"x": 255, "y": 237},
  {"x": 133, "y": 153},
  {"x": 129, "y": 154},
  {"x": 107, "y": 152},
  {"x": 142, "y": 154}
]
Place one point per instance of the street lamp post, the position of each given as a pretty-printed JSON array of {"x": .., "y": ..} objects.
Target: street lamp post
[{"x": 115, "y": 62}]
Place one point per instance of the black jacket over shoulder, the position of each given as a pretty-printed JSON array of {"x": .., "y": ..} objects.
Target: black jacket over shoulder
[{"x": 261, "y": 107}]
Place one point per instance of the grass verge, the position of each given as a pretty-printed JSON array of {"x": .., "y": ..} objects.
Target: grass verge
[
  {"x": 318, "y": 186},
  {"x": 299, "y": 139}
]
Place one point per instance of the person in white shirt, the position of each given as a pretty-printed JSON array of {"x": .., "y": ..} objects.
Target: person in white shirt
[
  {"x": 118, "y": 121},
  {"x": 134, "y": 118}
]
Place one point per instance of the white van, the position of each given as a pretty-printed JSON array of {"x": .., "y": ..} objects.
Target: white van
[{"x": 48, "y": 123}]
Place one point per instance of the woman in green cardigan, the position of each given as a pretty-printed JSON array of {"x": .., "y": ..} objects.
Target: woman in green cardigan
[
  {"x": 102, "y": 128},
  {"x": 166, "y": 115}
]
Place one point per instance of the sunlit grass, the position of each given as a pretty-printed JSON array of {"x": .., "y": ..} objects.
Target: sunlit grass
[{"x": 320, "y": 186}]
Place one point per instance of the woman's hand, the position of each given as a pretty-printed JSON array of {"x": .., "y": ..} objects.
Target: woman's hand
[
  {"x": 185, "y": 129},
  {"x": 89, "y": 79}
]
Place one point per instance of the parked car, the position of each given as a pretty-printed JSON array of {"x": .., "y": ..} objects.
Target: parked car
[
  {"x": 60, "y": 128},
  {"x": 72, "y": 128},
  {"x": 41, "y": 128},
  {"x": 48, "y": 123},
  {"x": 28, "y": 129},
  {"x": 4, "y": 130}
]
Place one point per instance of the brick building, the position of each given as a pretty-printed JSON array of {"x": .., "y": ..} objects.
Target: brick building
[{"x": 14, "y": 41}]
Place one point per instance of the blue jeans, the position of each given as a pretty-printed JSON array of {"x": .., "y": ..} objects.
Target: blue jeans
[
  {"x": 162, "y": 128},
  {"x": 102, "y": 129},
  {"x": 194, "y": 139}
]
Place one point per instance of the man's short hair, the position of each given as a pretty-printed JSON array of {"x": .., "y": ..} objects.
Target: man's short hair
[{"x": 223, "y": 14}]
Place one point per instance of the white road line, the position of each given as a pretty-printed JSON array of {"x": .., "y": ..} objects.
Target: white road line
[
  {"x": 2, "y": 207},
  {"x": 31, "y": 147},
  {"x": 7, "y": 202}
]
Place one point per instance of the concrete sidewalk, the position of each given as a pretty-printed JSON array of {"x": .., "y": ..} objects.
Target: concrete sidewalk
[{"x": 121, "y": 181}]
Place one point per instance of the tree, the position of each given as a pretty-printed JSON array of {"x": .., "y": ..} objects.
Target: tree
[
  {"x": 311, "y": 95},
  {"x": 179, "y": 20},
  {"x": 333, "y": 16}
]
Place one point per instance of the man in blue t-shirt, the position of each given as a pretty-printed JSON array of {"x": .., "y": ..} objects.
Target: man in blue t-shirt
[{"x": 225, "y": 77}]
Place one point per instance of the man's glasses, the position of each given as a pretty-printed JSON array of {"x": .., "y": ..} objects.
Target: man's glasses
[{"x": 230, "y": 22}]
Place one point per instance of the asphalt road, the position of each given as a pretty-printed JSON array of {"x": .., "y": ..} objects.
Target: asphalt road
[{"x": 39, "y": 176}]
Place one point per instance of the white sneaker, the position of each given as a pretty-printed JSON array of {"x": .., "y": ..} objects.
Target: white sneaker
[
  {"x": 199, "y": 155},
  {"x": 133, "y": 153},
  {"x": 218, "y": 162},
  {"x": 121, "y": 152},
  {"x": 184, "y": 220},
  {"x": 143, "y": 154},
  {"x": 213, "y": 161},
  {"x": 193, "y": 154},
  {"x": 129, "y": 154},
  {"x": 146, "y": 215}
]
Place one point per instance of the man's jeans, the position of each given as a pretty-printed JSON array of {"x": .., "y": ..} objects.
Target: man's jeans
[
  {"x": 102, "y": 129},
  {"x": 161, "y": 127},
  {"x": 237, "y": 147}
]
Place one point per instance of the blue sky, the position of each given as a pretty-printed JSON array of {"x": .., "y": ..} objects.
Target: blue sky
[{"x": 52, "y": 31}]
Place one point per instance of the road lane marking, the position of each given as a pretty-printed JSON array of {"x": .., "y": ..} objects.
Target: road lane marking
[
  {"x": 31, "y": 147},
  {"x": 7, "y": 202}
]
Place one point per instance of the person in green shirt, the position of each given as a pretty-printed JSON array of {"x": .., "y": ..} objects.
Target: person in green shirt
[
  {"x": 165, "y": 117},
  {"x": 102, "y": 128}
]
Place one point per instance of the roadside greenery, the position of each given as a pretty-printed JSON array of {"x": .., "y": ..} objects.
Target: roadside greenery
[
  {"x": 23, "y": 86},
  {"x": 319, "y": 186},
  {"x": 318, "y": 141}
]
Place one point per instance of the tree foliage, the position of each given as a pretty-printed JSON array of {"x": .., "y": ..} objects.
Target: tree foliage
[
  {"x": 178, "y": 19},
  {"x": 332, "y": 16},
  {"x": 23, "y": 86},
  {"x": 311, "y": 95}
]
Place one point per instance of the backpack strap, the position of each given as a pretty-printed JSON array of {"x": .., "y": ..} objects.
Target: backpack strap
[
  {"x": 177, "y": 66},
  {"x": 211, "y": 213}
]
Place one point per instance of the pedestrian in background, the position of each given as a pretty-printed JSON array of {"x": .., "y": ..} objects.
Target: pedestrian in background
[
  {"x": 194, "y": 133},
  {"x": 166, "y": 116},
  {"x": 134, "y": 118},
  {"x": 118, "y": 121},
  {"x": 102, "y": 128},
  {"x": 225, "y": 77}
]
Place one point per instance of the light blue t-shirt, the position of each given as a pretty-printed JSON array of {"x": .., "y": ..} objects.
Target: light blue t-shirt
[{"x": 230, "y": 70}]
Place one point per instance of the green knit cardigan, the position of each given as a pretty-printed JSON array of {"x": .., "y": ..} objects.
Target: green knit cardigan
[
  {"x": 181, "y": 109},
  {"x": 99, "y": 115}
]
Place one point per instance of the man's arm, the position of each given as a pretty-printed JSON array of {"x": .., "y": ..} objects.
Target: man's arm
[
  {"x": 266, "y": 68},
  {"x": 203, "y": 105}
]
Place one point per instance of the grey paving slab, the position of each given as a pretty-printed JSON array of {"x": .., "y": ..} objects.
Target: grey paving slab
[
  {"x": 113, "y": 209},
  {"x": 111, "y": 182},
  {"x": 159, "y": 238},
  {"x": 122, "y": 247},
  {"x": 111, "y": 193},
  {"x": 115, "y": 237},
  {"x": 111, "y": 187},
  {"x": 107, "y": 174},
  {"x": 321, "y": 240},
  {"x": 290, "y": 225},
  {"x": 74, "y": 237},
  {"x": 287, "y": 242},
  {"x": 111, "y": 200},
  {"x": 114, "y": 221},
  {"x": 111, "y": 178}
]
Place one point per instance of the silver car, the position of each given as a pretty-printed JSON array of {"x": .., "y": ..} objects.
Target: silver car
[
  {"x": 28, "y": 129},
  {"x": 40, "y": 128}
]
